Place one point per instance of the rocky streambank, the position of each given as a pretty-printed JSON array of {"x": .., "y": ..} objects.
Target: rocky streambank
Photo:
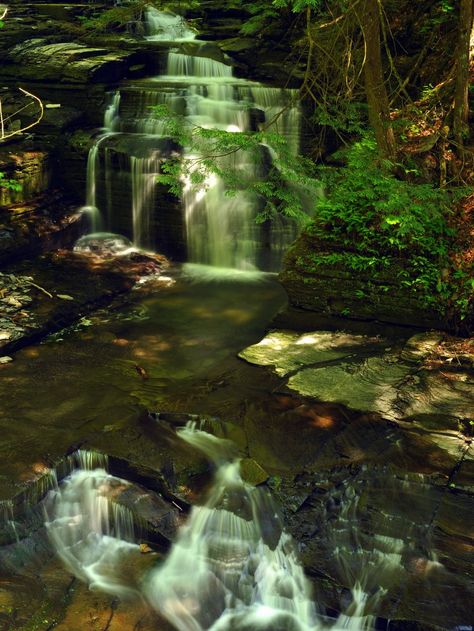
[
  {"x": 387, "y": 480},
  {"x": 58, "y": 290}
]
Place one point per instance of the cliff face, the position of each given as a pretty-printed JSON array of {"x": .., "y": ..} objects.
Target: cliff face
[{"x": 41, "y": 51}]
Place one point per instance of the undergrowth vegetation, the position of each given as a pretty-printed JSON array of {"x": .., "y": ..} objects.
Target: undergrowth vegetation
[
  {"x": 374, "y": 216},
  {"x": 9, "y": 184}
]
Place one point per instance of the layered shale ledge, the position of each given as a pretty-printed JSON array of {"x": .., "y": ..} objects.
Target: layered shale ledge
[
  {"x": 65, "y": 287},
  {"x": 318, "y": 281}
]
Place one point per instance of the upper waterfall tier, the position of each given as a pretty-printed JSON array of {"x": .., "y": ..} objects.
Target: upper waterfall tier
[{"x": 163, "y": 26}]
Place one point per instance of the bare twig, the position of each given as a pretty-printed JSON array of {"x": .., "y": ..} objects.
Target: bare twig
[{"x": 30, "y": 282}]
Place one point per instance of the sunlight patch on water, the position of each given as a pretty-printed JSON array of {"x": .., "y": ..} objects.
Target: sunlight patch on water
[{"x": 197, "y": 272}]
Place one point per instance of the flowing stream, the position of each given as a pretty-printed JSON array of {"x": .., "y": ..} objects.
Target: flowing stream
[
  {"x": 367, "y": 534},
  {"x": 233, "y": 565}
]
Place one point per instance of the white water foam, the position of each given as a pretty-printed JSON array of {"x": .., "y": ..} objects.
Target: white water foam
[
  {"x": 232, "y": 566},
  {"x": 164, "y": 26},
  {"x": 92, "y": 535}
]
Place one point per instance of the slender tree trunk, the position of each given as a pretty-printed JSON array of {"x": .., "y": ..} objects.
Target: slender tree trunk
[
  {"x": 461, "y": 103},
  {"x": 377, "y": 99}
]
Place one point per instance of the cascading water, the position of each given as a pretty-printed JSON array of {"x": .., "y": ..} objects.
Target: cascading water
[
  {"x": 233, "y": 566},
  {"x": 161, "y": 26},
  {"x": 112, "y": 113},
  {"x": 220, "y": 230},
  {"x": 93, "y": 164},
  {"x": 91, "y": 534}
]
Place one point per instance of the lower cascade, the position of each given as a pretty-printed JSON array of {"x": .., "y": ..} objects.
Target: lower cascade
[
  {"x": 232, "y": 566},
  {"x": 91, "y": 535}
]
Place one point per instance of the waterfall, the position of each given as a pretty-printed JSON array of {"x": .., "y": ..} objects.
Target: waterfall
[
  {"x": 180, "y": 65},
  {"x": 219, "y": 225},
  {"x": 232, "y": 566},
  {"x": 111, "y": 115},
  {"x": 91, "y": 204},
  {"x": 161, "y": 26},
  {"x": 93, "y": 164},
  {"x": 144, "y": 174},
  {"x": 91, "y": 534},
  {"x": 7, "y": 517}
]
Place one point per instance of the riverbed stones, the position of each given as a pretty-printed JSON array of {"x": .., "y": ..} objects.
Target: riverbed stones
[{"x": 65, "y": 287}]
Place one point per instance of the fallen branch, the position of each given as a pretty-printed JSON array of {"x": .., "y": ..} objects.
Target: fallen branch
[{"x": 30, "y": 282}]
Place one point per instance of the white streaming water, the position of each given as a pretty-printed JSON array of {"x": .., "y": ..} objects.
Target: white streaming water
[
  {"x": 91, "y": 534},
  {"x": 144, "y": 172},
  {"x": 7, "y": 517},
  {"x": 166, "y": 26},
  {"x": 91, "y": 205},
  {"x": 111, "y": 118},
  {"x": 232, "y": 566},
  {"x": 180, "y": 65},
  {"x": 220, "y": 225}
]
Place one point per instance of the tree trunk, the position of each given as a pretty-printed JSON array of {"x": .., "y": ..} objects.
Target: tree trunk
[
  {"x": 377, "y": 99},
  {"x": 461, "y": 103}
]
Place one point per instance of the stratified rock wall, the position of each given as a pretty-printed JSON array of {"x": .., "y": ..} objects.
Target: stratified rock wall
[{"x": 336, "y": 290}]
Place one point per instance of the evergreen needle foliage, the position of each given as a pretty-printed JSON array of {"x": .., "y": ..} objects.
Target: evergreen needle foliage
[{"x": 280, "y": 179}]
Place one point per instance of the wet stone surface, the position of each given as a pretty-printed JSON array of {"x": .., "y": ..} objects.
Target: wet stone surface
[
  {"x": 383, "y": 501},
  {"x": 409, "y": 381},
  {"x": 65, "y": 287},
  {"x": 385, "y": 495}
]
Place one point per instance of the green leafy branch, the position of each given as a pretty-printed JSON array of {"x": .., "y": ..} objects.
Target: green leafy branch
[
  {"x": 9, "y": 184},
  {"x": 277, "y": 178}
]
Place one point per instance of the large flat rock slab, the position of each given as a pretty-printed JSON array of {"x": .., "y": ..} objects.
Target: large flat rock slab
[
  {"x": 66, "y": 62},
  {"x": 371, "y": 374}
]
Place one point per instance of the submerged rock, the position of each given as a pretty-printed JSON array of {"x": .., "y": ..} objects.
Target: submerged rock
[
  {"x": 252, "y": 472},
  {"x": 103, "y": 244}
]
